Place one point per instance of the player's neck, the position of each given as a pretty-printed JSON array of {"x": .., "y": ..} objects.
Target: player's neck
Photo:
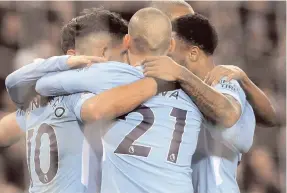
[
  {"x": 205, "y": 65},
  {"x": 136, "y": 59},
  {"x": 208, "y": 66}
]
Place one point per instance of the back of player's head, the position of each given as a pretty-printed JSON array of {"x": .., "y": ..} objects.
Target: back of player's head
[
  {"x": 97, "y": 20},
  {"x": 196, "y": 30},
  {"x": 96, "y": 26},
  {"x": 68, "y": 33},
  {"x": 81, "y": 30},
  {"x": 173, "y": 8},
  {"x": 150, "y": 32}
]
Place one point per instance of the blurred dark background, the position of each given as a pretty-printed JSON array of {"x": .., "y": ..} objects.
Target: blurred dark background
[{"x": 252, "y": 36}]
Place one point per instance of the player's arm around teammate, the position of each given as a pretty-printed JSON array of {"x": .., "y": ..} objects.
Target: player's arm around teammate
[
  {"x": 104, "y": 105},
  {"x": 263, "y": 108},
  {"x": 21, "y": 83},
  {"x": 115, "y": 95},
  {"x": 119, "y": 100},
  {"x": 223, "y": 109},
  {"x": 92, "y": 108}
]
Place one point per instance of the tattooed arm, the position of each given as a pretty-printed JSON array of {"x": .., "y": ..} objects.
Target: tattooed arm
[
  {"x": 262, "y": 106},
  {"x": 221, "y": 104},
  {"x": 221, "y": 108}
]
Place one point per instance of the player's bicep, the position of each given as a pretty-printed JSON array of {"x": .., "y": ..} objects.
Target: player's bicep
[{"x": 10, "y": 131}]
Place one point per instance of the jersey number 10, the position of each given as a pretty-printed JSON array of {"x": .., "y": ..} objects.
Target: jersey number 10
[
  {"x": 53, "y": 168},
  {"x": 127, "y": 147}
]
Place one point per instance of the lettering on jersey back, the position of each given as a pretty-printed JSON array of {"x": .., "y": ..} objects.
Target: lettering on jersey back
[
  {"x": 37, "y": 102},
  {"x": 170, "y": 94}
]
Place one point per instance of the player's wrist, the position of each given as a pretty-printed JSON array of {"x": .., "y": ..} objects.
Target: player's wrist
[
  {"x": 244, "y": 80},
  {"x": 163, "y": 85},
  {"x": 152, "y": 84},
  {"x": 183, "y": 75},
  {"x": 178, "y": 72}
]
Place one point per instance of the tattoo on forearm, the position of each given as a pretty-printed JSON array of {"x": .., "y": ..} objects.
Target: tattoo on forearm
[{"x": 205, "y": 98}]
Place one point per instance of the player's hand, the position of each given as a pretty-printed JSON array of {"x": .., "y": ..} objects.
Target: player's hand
[
  {"x": 80, "y": 61},
  {"x": 161, "y": 67},
  {"x": 229, "y": 71}
]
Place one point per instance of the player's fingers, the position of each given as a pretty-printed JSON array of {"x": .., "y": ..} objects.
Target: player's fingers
[
  {"x": 217, "y": 77},
  {"x": 230, "y": 77},
  {"x": 212, "y": 75},
  {"x": 206, "y": 77},
  {"x": 149, "y": 69},
  {"x": 215, "y": 81},
  {"x": 151, "y": 74},
  {"x": 96, "y": 59},
  {"x": 149, "y": 64},
  {"x": 209, "y": 79},
  {"x": 151, "y": 59}
]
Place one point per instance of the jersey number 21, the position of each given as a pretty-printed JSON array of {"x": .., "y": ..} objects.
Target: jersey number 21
[{"x": 127, "y": 147}]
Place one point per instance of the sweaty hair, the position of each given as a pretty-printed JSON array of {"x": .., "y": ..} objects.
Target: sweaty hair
[
  {"x": 93, "y": 21},
  {"x": 150, "y": 31},
  {"x": 196, "y": 30},
  {"x": 167, "y": 7}
]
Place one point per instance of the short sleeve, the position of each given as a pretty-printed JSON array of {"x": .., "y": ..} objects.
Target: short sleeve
[
  {"x": 233, "y": 89},
  {"x": 239, "y": 137},
  {"x": 75, "y": 102},
  {"x": 233, "y": 137},
  {"x": 21, "y": 119}
]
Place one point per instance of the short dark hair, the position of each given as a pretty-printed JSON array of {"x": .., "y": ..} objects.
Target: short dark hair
[
  {"x": 195, "y": 29},
  {"x": 97, "y": 20},
  {"x": 93, "y": 20},
  {"x": 68, "y": 34}
]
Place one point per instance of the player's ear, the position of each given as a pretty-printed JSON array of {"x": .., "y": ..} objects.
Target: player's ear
[
  {"x": 194, "y": 53},
  {"x": 71, "y": 52},
  {"x": 172, "y": 46},
  {"x": 126, "y": 41}
]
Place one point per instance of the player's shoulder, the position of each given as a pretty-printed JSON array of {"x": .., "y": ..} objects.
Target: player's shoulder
[
  {"x": 72, "y": 100},
  {"x": 232, "y": 88}
]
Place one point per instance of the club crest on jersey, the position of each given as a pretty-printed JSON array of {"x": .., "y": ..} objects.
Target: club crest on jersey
[
  {"x": 171, "y": 94},
  {"x": 59, "y": 112}
]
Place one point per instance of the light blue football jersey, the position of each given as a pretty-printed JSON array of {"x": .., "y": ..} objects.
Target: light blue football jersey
[
  {"x": 54, "y": 139},
  {"x": 219, "y": 150},
  {"x": 151, "y": 149}
]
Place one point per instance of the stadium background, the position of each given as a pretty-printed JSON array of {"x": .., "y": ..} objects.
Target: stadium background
[{"x": 252, "y": 35}]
